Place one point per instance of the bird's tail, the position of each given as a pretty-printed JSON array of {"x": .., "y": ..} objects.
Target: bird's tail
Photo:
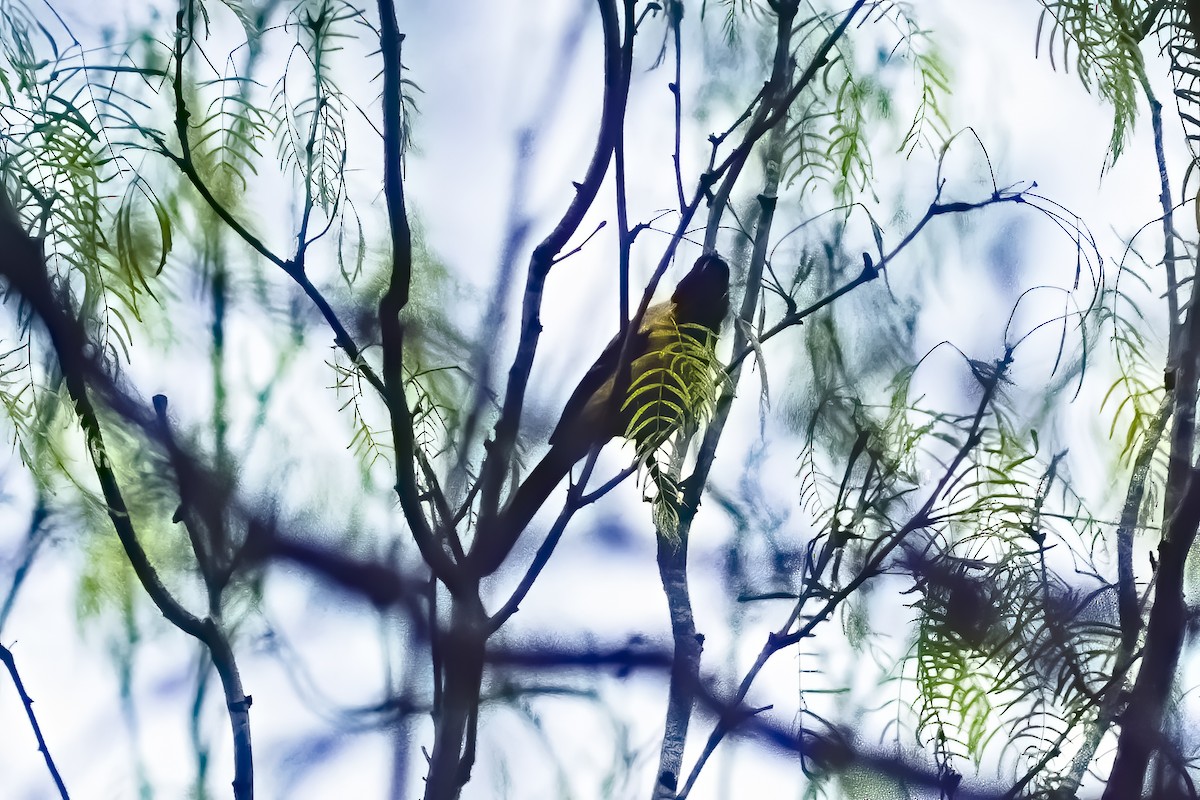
[{"x": 495, "y": 541}]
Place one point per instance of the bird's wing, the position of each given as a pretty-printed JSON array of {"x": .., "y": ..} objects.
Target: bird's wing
[{"x": 600, "y": 374}]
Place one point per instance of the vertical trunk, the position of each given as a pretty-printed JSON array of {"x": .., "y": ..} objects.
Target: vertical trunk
[
  {"x": 463, "y": 647},
  {"x": 685, "y": 664},
  {"x": 238, "y": 704},
  {"x": 1141, "y": 722}
]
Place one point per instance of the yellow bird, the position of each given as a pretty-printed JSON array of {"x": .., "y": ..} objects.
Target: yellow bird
[{"x": 654, "y": 403}]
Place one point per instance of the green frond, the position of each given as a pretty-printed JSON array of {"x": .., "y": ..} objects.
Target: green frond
[
  {"x": 1004, "y": 651},
  {"x": 228, "y": 139},
  {"x": 734, "y": 16},
  {"x": 1172, "y": 21},
  {"x": 929, "y": 126},
  {"x": 828, "y": 138},
  {"x": 351, "y": 239},
  {"x": 1104, "y": 40},
  {"x": 368, "y": 440},
  {"x": 680, "y": 390},
  {"x": 674, "y": 392},
  {"x": 664, "y": 502},
  {"x": 62, "y": 168},
  {"x": 309, "y": 109},
  {"x": 37, "y": 418},
  {"x": 1135, "y": 393},
  {"x": 828, "y": 142}
]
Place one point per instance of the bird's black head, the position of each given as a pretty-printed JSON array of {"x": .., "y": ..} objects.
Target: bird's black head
[{"x": 702, "y": 297}]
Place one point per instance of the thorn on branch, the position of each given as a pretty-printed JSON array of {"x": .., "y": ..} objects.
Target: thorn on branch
[
  {"x": 870, "y": 271},
  {"x": 582, "y": 244},
  {"x": 160, "y": 407}
]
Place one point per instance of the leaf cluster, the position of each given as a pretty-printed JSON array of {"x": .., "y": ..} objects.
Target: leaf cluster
[{"x": 674, "y": 389}]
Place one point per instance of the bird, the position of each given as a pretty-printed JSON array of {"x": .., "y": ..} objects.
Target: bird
[{"x": 651, "y": 409}]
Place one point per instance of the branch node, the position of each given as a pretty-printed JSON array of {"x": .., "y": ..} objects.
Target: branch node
[{"x": 242, "y": 705}]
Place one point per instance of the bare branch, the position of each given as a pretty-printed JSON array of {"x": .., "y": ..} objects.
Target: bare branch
[{"x": 11, "y": 663}]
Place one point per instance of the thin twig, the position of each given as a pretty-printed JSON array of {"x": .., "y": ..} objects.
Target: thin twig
[
  {"x": 25, "y": 269},
  {"x": 675, "y": 20},
  {"x": 576, "y": 499},
  {"x": 518, "y": 227},
  {"x": 36, "y": 535},
  {"x": 7, "y": 657},
  {"x": 870, "y": 269},
  {"x": 785, "y": 636},
  {"x": 616, "y": 90}
]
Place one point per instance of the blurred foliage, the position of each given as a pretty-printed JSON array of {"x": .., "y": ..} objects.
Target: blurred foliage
[{"x": 146, "y": 170}]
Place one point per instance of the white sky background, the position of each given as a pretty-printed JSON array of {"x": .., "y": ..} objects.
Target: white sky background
[{"x": 483, "y": 69}]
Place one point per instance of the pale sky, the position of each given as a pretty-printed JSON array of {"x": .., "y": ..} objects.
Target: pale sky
[{"x": 484, "y": 69}]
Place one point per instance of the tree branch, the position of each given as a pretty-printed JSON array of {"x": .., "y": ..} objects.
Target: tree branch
[
  {"x": 11, "y": 663},
  {"x": 25, "y": 269},
  {"x": 786, "y": 637},
  {"x": 393, "y": 301},
  {"x": 616, "y": 90}
]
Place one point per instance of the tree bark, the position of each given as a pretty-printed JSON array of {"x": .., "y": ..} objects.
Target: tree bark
[{"x": 463, "y": 647}]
